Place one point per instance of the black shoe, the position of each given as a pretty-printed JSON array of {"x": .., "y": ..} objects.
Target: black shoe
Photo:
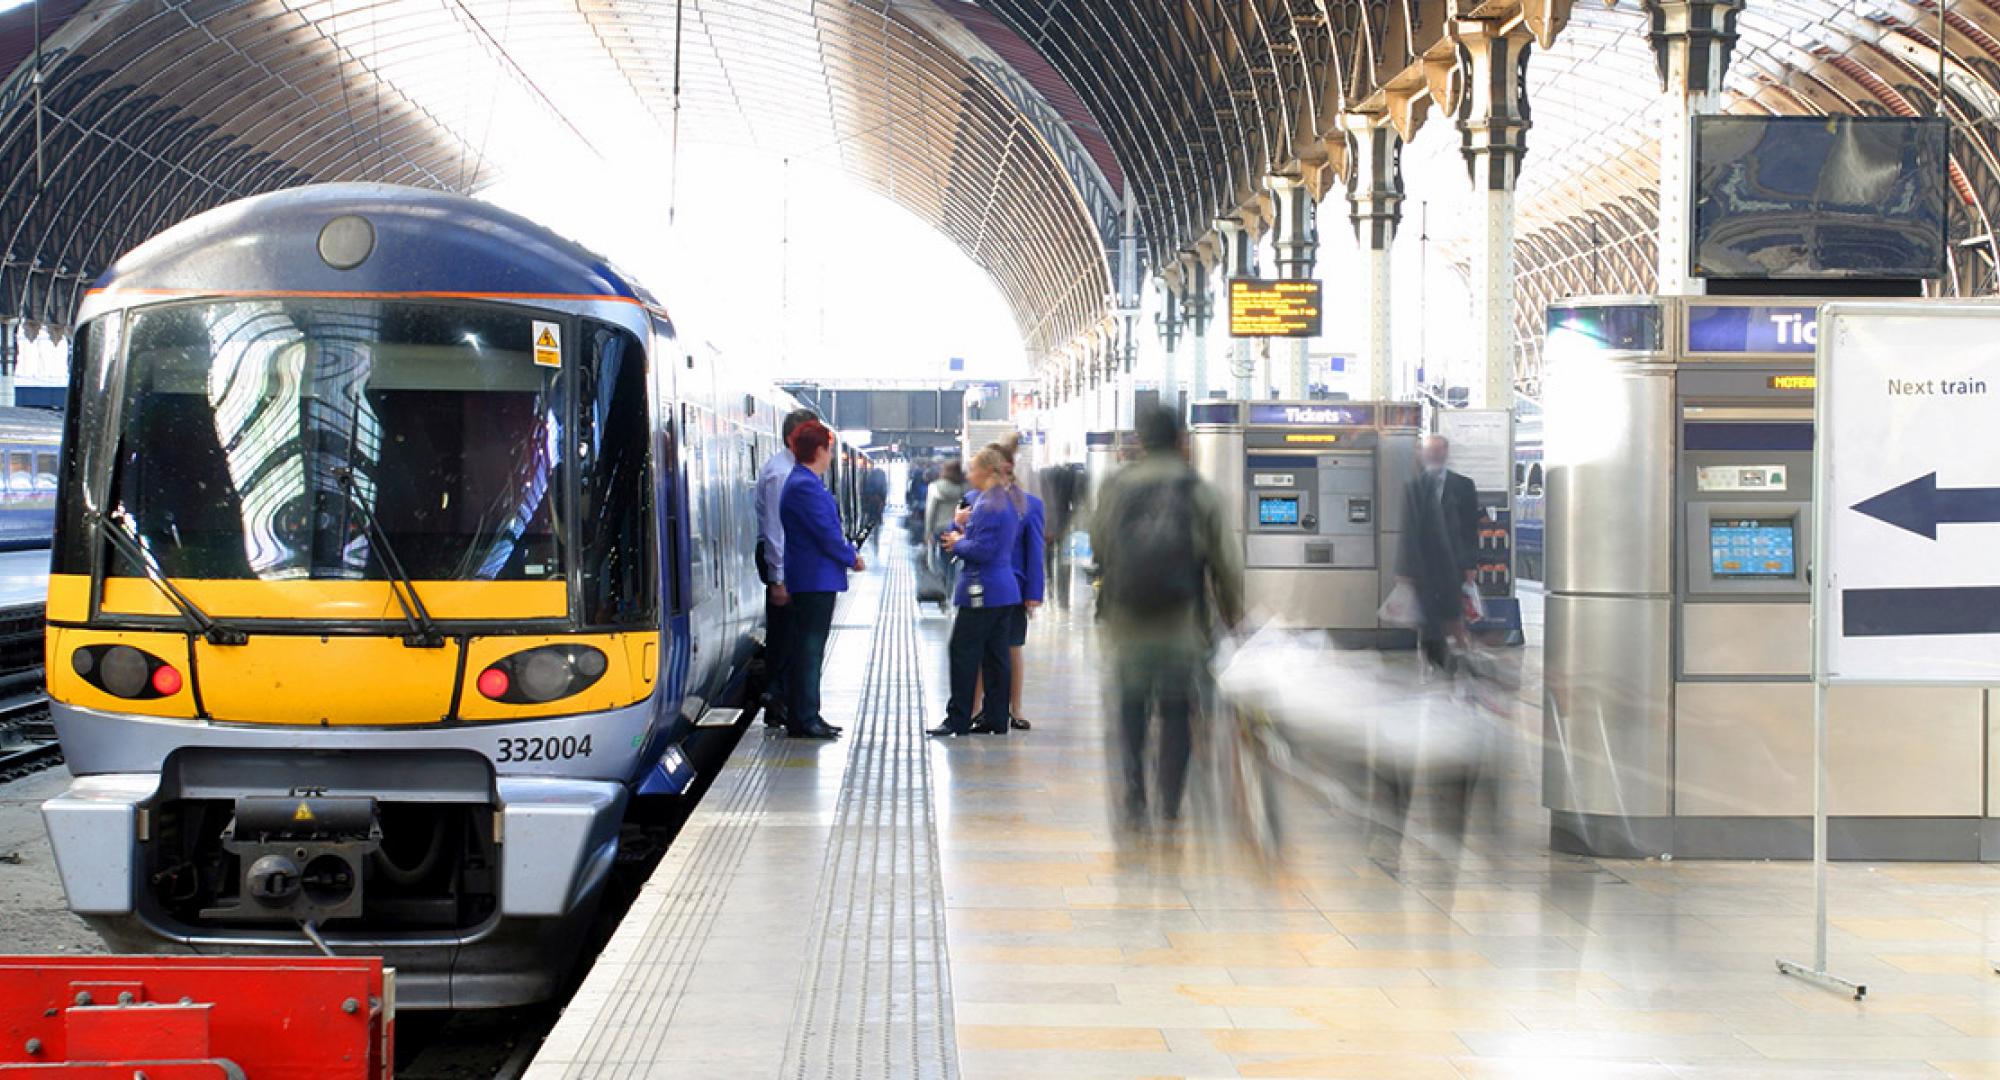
[
  {"x": 815, "y": 731},
  {"x": 1021, "y": 725},
  {"x": 989, "y": 729},
  {"x": 947, "y": 729},
  {"x": 774, "y": 713}
]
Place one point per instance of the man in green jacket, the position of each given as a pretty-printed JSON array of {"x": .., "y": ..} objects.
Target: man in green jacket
[{"x": 1168, "y": 571}]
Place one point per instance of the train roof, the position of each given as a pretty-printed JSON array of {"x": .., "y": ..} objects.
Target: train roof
[
  {"x": 30, "y": 425},
  {"x": 415, "y": 241}
]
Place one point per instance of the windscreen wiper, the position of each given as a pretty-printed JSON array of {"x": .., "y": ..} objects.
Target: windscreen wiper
[
  {"x": 423, "y": 633},
  {"x": 118, "y": 529}
]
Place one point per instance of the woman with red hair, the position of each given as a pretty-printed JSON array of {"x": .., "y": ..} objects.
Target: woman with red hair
[{"x": 817, "y": 558}]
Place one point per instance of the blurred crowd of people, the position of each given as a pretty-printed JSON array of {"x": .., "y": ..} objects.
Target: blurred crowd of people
[{"x": 1198, "y": 687}]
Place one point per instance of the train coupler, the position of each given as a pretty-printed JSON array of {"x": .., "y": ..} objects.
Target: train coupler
[{"x": 301, "y": 857}]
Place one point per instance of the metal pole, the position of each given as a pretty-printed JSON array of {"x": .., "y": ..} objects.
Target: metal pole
[
  {"x": 1815, "y": 580},
  {"x": 1423, "y": 291},
  {"x": 35, "y": 80}
]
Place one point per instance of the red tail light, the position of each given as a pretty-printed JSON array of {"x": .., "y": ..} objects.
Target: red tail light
[
  {"x": 494, "y": 683},
  {"x": 126, "y": 672},
  {"x": 541, "y": 675},
  {"x": 166, "y": 681}
]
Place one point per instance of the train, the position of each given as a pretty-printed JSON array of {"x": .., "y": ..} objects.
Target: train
[
  {"x": 401, "y": 546},
  {"x": 29, "y": 442},
  {"x": 1529, "y": 496}
]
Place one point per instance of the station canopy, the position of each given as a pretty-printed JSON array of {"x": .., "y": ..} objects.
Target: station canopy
[{"x": 1021, "y": 129}]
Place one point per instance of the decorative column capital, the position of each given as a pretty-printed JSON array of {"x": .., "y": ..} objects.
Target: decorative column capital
[
  {"x": 1196, "y": 305},
  {"x": 1692, "y": 41},
  {"x": 1298, "y": 233},
  {"x": 1239, "y": 247},
  {"x": 1171, "y": 316},
  {"x": 1374, "y": 179},
  {"x": 1493, "y": 116}
]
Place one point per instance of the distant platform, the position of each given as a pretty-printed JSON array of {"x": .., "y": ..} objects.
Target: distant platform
[{"x": 24, "y": 577}]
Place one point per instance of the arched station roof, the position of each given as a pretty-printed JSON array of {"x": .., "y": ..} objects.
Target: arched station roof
[
  {"x": 1019, "y": 128},
  {"x": 150, "y": 113}
]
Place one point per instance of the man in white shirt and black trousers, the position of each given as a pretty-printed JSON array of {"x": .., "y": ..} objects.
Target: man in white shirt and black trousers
[{"x": 771, "y": 569}]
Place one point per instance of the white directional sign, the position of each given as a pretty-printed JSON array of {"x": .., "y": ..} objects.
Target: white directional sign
[{"x": 1909, "y": 493}]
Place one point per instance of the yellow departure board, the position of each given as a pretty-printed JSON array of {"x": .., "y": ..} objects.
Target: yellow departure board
[{"x": 1289, "y": 309}]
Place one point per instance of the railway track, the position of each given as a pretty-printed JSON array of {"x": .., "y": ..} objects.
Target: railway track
[{"x": 27, "y": 736}]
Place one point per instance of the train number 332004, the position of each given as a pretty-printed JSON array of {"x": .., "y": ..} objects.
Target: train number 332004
[{"x": 544, "y": 748}]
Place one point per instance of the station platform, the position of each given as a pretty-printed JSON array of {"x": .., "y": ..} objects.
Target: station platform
[
  {"x": 892, "y": 906},
  {"x": 24, "y": 578}
]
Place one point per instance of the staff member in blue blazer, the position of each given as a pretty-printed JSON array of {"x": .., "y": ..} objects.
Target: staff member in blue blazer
[
  {"x": 817, "y": 558},
  {"x": 1032, "y": 576},
  {"x": 987, "y": 593}
]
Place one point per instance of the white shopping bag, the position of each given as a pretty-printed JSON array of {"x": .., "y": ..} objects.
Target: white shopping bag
[{"x": 1401, "y": 608}]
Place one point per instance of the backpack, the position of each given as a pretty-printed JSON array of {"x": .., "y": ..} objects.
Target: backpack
[{"x": 1159, "y": 569}]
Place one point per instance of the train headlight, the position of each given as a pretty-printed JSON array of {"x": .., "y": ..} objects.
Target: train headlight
[
  {"x": 123, "y": 671},
  {"x": 541, "y": 675}
]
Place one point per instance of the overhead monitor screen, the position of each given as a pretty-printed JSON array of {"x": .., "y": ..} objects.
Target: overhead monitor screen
[
  {"x": 1753, "y": 548},
  {"x": 1278, "y": 510},
  {"x": 1818, "y": 197}
]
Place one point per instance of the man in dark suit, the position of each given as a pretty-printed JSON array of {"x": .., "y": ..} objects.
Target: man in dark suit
[
  {"x": 1059, "y": 483},
  {"x": 1440, "y": 546}
]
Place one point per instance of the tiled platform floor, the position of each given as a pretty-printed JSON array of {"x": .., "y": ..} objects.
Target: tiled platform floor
[{"x": 1078, "y": 951}]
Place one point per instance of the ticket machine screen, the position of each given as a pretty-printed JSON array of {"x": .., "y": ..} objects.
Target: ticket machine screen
[
  {"x": 1753, "y": 548},
  {"x": 1278, "y": 510}
]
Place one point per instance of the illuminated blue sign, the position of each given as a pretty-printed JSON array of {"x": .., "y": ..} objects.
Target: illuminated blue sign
[
  {"x": 1311, "y": 414},
  {"x": 1753, "y": 329}
]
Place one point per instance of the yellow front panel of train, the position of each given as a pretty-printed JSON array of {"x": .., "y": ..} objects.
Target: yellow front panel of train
[
  {"x": 66, "y": 685},
  {"x": 346, "y": 601},
  {"x": 326, "y": 681}
]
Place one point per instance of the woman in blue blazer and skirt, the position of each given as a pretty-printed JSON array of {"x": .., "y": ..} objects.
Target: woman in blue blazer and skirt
[{"x": 988, "y": 593}]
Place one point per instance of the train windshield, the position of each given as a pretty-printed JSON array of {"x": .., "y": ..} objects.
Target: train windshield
[{"x": 257, "y": 437}]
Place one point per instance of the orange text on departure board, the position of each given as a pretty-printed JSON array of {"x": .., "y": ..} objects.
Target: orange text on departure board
[{"x": 1273, "y": 308}]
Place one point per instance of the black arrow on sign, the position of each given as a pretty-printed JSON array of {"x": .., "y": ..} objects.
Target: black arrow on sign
[
  {"x": 1970, "y": 609},
  {"x": 1921, "y": 506}
]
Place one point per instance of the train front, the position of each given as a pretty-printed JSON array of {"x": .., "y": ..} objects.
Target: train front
[{"x": 354, "y": 622}]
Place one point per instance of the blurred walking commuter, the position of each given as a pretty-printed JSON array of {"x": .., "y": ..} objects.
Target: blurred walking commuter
[
  {"x": 940, "y": 505},
  {"x": 1060, "y": 487},
  {"x": 816, "y": 566},
  {"x": 1168, "y": 573},
  {"x": 985, "y": 540},
  {"x": 771, "y": 568},
  {"x": 1439, "y": 555},
  {"x": 874, "y": 499}
]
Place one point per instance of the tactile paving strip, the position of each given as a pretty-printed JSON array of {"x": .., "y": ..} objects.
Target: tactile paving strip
[
  {"x": 631, "y": 1030},
  {"x": 875, "y": 998}
]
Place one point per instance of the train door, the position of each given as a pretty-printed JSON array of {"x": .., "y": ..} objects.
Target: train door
[{"x": 707, "y": 652}]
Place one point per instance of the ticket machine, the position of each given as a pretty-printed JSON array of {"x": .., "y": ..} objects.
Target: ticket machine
[
  {"x": 1313, "y": 490},
  {"x": 1678, "y": 437},
  {"x": 1103, "y": 453}
]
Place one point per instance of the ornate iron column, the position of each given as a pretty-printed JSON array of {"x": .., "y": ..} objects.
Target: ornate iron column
[
  {"x": 1239, "y": 259},
  {"x": 1198, "y": 304},
  {"x": 1170, "y": 324},
  {"x": 1493, "y": 136},
  {"x": 1692, "y": 40},
  {"x": 10, "y": 359},
  {"x": 1298, "y": 254},
  {"x": 1375, "y": 206}
]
